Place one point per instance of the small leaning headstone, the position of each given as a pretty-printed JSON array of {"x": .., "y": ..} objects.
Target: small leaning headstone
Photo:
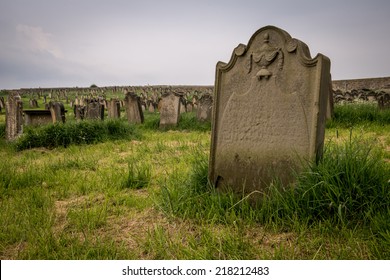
[
  {"x": 57, "y": 111},
  {"x": 169, "y": 109},
  {"x": 133, "y": 108},
  {"x": 94, "y": 110}
]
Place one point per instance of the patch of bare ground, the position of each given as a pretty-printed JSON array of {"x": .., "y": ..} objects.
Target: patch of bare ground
[
  {"x": 132, "y": 230},
  {"x": 61, "y": 208},
  {"x": 11, "y": 252}
]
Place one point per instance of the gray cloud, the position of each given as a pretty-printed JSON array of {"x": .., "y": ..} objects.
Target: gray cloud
[{"x": 77, "y": 43}]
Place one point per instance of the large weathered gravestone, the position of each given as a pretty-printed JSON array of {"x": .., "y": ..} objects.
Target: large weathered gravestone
[
  {"x": 269, "y": 114},
  {"x": 13, "y": 116},
  {"x": 170, "y": 109},
  {"x": 133, "y": 108}
]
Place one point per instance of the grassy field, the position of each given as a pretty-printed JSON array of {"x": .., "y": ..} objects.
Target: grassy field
[{"x": 141, "y": 193}]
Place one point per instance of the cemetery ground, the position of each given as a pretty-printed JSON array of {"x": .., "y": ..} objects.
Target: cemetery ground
[{"x": 138, "y": 192}]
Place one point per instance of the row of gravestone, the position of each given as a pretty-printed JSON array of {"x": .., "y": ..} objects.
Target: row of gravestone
[
  {"x": 381, "y": 97},
  {"x": 189, "y": 100},
  {"x": 150, "y": 103},
  {"x": 147, "y": 93},
  {"x": 169, "y": 107}
]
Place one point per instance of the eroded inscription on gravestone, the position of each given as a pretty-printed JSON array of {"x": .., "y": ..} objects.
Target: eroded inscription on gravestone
[{"x": 269, "y": 111}]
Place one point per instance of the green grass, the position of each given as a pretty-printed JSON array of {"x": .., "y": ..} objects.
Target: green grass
[
  {"x": 85, "y": 132},
  {"x": 145, "y": 195},
  {"x": 347, "y": 193},
  {"x": 138, "y": 177},
  {"x": 350, "y": 115}
]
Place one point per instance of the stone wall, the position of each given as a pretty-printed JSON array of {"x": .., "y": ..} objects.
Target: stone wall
[{"x": 357, "y": 84}]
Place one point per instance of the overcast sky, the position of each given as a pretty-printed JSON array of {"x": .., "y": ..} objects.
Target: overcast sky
[{"x": 67, "y": 43}]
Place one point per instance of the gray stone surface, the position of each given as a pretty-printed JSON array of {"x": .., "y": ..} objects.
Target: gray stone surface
[
  {"x": 94, "y": 110},
  {"x": 79, "y": 112},
  {"x": 151, "y": 107},
  {"x": 183, "y": 105},
  {"x": 384, "y": 101},
  {"x": 114, "y": 109},
  {"x": 13, "y": 116},
  {"x": 57, "y": 111},
  {"x": 133, "y": 108},
  {"x": 269, "y": 112},
  {"x": 169, "y": 109},
  {"x": 37, "y": 117},
  {"x": 33, "y": 103},
  {"x": 205, "y": 106}
]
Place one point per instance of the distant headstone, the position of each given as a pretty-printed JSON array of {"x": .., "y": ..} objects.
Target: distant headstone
[
  {"x": 205, "y": 106},
  {"x": 133, "y": 108},
  {"x": 270, "y": 106},
  {"x": 183, "y": 107},
  {"x": 94, "y": 110},
  {"x": 33, "y": 103},
  {"x": 37, "y": 117},
  {"x": 189, "y": 107},
  {"x": 151, "y": 108},
  {"x": 114, "y": 109},
  {"x": 13, "y": 116},
  {"x": 79, "y": 112},
  {"x": 57, "y": 111},
  {"x": 170, "y": 109},
  {"x": 384, "y": 101}
]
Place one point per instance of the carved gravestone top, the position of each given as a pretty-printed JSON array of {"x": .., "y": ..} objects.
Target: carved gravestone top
[{"x": 269, "y": 111}]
